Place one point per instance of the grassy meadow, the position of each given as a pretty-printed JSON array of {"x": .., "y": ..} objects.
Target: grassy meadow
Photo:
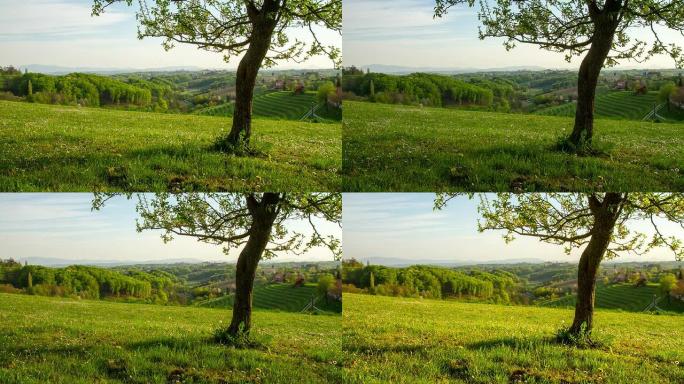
[
  {"x": 57, "y": 148},
  {"x": 69, "y": 341},
  {"x": 399, "y": 340},
  {"x": 400, "y": 148}
]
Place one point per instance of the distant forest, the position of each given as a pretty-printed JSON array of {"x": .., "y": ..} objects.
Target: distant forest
[
  {"x": 177, "y": 92},
  {"x": 516, "y": 91},
  {"x": 178, "y": 284},
  {"x": 503, "y": 284}
]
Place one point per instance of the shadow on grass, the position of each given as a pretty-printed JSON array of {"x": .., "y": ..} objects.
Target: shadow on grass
[
  {"x": 171, "y": 343},
  {"x": 514, "y": 343},
  {"x": 383, "y": 349}
]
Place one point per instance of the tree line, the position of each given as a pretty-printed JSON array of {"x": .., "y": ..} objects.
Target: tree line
[
  {"x": 431, "y": 90},
  {"x": 86, "y": 90},
  {"x": 91, "y": 282},
  {"x": 432, "y": 282}
]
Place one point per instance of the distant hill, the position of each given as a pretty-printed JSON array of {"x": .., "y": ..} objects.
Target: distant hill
[
  {"x": 58, "y": 70},
  {"x": 398, "y": 69}
]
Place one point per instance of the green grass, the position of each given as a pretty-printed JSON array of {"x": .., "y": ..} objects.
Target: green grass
[
  {"x": 400, "y": 148},
  {"x": 625, "y": 297},
  {"x": 56, "y": 148},
  {"x": 282, "y": 297},
  {"x": 621, "y": 105},
  {"x": 52, "y": 340},
  {"x": 429, "y": 341}
]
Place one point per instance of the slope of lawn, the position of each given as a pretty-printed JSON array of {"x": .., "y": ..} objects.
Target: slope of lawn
[
  {"x": 400, "y": 148},
  {"x": 625, "y": 297},
  {"x": 401, "y": 340},
  {"x": 53, "y": 340},
  {"x": 57, "y": 148},
  {"x": 621, "y": 105},
  {"x": 281, "y": 297}
]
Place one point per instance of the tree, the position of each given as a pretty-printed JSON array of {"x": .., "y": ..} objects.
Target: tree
[
  {"x": 372, "y": 283},
  {"x": 666, "y": 90},
  {"x": 29, "y": 282},
  {"x": 255, "y": 222},
  {"x": 325, "y": 282},
  {"x": 598, "y": 223},
  {"x": 325, "y": 91},
  {"x": 667, "y": 283},
  {"x": 600, "y": 30},
  {"x": 257, "y": 29}
]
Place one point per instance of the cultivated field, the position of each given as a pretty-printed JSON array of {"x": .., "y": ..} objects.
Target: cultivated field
[
  {"x": 281, "y": 297},
  {"x": 623, "y": 105},
  {"x": 53, "y": 340},
  {"x": 625, "y": 297},
  {"x": 399, "y": 148},
  {"x": 277, "y": 105},
  {"x": 428, "y": 341},
  {"x": 57, "y": 148}
]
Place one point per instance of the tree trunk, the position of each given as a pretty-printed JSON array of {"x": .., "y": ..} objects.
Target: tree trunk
[
  {"x": 605, "y": 214},
  {"x": 245, "y": 80},
  {"x": 264, "y": 213},
  {"x": 588, "y": 75}
]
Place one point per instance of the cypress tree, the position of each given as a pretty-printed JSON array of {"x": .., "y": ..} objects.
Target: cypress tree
[
  {"x": 30, "y": 88},
  {"x": 29, "y": 281},
  {"x": 372, "y": 282},
  {"x": 372, "y": 88}
]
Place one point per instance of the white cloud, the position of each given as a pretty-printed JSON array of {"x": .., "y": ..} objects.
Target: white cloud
[{"x": 20, "y": 19}]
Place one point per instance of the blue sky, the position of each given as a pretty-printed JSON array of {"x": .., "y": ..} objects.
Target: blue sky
[
  {"x": 62, "y": 226},
  {"x": 405, "y": 226},
  {"x": 63, "y": 33},
  {"x": 404, "y": 32}
]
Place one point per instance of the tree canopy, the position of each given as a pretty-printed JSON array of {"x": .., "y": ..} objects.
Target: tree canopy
[
  {"x": 567, "y": 219},
  {"x": 226, "y": 218},
  {"x": 569, "y": 26},
  {"x": 228, "y": 26}
]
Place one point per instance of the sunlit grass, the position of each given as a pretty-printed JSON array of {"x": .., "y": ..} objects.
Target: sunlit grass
[
  {"x": 400, "y": 340},
  {"x": 57, "y": 148},
  {"x": 399, "y": 148},
  {"x": 52, "y": 340}
]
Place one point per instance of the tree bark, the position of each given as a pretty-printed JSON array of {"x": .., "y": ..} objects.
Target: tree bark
[
  {"x": 263, "y": 25},
  {"x": 605, "y": 214},
  {"x": 605, "y": 25},
  {"x": 263, "y": 214}
]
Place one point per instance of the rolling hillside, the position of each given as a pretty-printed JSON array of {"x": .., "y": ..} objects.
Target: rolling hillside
[
  {"x": 276, "y": 105},
  {"x": 401, "y": 340},
  {"x": 54, "y": 340},
  {"x": 57, "y": 148},
  {"x": 281, "y": 297},
  {"x": 395, "y": 148},
  {"x": 620, "y": 105},
  {"x": 625, "y": 297}
]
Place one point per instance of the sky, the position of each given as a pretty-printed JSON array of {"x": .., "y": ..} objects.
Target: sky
[
  {"x": 404, "y": 33},
  {"x": 63, "y": 226},
  {"x": 405, "y": 226},
  {"x": 63, "y": 33}
]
